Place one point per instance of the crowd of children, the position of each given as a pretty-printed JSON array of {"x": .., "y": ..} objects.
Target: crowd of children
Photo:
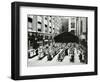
[{"x": 76, "y": 52}]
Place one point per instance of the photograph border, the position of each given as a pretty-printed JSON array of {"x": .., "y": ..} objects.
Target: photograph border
[{"x": 15, "y": 39}]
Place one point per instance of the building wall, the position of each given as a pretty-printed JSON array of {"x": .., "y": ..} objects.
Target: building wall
[{"x": 54, "y": 25}]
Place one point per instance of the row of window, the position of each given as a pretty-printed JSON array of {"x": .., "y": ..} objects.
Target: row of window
[
  {"x": 38, "y": 36},
  {"x": 48, "y": 28}
]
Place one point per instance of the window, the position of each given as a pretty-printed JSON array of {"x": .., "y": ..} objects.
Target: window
[
  {"x": 45, "y": 25},
  {"x": 39, "y": 30},
  {"x": 30, "y": 23},
  {"x": 50, "y": 20},
  {"x": 45, "y": 18},
  {"x": 29, "y": 19},
  {"x": 72, "y": 25},
  {"x": 39, "y": 22}
]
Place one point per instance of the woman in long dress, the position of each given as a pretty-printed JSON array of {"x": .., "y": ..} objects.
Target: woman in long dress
[
  {"x": 77, "y": 53},
  {"x": 40, "y": 52}
]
